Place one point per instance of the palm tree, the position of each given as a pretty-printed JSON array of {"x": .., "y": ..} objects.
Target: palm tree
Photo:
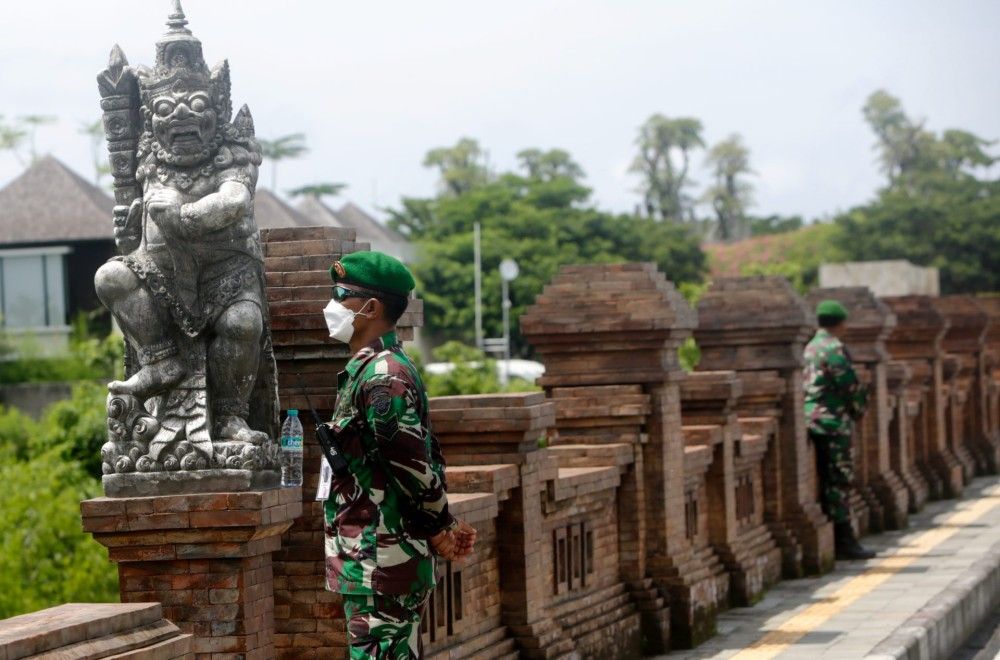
[
  {"x": 318, "y": 190},
  {"x": 33, "y": 122},
  {"x": 12, "y": 137},
  {"x": 730, "y": 195},
  {"x": 663, "y": 182},
  {"x": 95, "y": 131},
  {"x": 288, "y": 146}
]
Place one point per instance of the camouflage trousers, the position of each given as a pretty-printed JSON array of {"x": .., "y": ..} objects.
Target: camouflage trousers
[
  {"x": 835, "y": 468},
  {"x": 384, "y": 627}
]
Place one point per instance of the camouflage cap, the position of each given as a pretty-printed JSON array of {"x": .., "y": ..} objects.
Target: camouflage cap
[
  {"x": 831, "y": 309},
  {"x": 375, "y": 271}
]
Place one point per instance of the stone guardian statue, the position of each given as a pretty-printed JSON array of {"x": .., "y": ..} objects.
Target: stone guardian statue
[{"x": 197, "y": 409}]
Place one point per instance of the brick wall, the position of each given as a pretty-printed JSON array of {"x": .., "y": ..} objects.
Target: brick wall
[{"x": 619, "y": 509}]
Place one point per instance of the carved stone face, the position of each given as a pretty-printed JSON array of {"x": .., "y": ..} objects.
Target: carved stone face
[{"x": 184, "y": 120}]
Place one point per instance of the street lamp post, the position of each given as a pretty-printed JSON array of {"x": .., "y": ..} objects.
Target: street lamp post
[{"x": 508, "y": 273}]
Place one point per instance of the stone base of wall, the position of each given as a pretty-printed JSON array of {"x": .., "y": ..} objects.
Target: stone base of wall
[{"x": 95, "y": 630}]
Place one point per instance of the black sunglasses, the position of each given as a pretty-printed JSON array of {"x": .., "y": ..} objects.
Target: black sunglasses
[{"x": 342, "y": 293}]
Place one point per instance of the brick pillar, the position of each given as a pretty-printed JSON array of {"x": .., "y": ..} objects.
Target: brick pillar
[
  {"x": 621, "y": 325},
  {"x": 611, "y": 414},
  {"x": 868, "y": 326},
  {"x": 309, "y": 620},
  {"x": 759, "y": 324},
  {"x": 735, "y": 487},
  {"x": 205, "y": 557},
  {"x": 506, "y": 429},
  {"x": 966, "y": 338},
  {"x": 917, "y": 340},
  {"x": 991, "y": 307},
  {"x": 901, "y": 458},
  {"x": 955, "y": 395}
]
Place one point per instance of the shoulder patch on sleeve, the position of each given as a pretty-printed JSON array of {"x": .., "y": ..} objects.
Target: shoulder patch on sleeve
[{"x": 380, "y": 398}]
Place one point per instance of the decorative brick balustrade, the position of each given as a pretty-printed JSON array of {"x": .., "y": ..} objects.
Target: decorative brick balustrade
[
  {"x": 759, "y": 326},
  {"x": 965, "y": 338},
  {"x": 734, "y": 509},
  {"x": 564, "y": 588},
  {"x": 991, "y": 356},
  {"x": 916, "y": 340},
  {"x": 622, "y": 325}
]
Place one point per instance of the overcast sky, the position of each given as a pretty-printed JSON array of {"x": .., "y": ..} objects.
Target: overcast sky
[{"x": 374, "y": 85}]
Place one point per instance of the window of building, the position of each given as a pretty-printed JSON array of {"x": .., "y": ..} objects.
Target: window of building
[{"x": 33, "y": 288}]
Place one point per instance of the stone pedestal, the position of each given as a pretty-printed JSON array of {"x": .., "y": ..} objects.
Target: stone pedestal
[
  {"x": 759, "y": 326},
  {"x": 205, "y": 557},
  {"x": 868, "y": 326}
]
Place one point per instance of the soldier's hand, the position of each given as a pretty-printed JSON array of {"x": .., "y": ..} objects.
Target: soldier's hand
[
  {"x": 465, "y": 539},
  {"x": 444, "y": 545}
]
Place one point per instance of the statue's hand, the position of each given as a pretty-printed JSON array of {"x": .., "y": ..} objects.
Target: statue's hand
[{"x": 164, "y": 207}]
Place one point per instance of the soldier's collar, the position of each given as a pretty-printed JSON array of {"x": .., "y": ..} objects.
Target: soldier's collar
[{"x": 385, "y": 342}]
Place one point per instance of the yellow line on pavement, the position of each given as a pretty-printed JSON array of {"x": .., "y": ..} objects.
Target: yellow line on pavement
[{"x": 801, "y": 624}]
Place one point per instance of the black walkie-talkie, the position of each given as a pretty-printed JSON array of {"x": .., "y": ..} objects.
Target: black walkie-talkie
[{"x": 326, "y": 438}]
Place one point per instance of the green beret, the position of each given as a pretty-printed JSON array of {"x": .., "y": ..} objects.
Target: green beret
[
  {"x": 831, "y": 309},
  {"x": 375, "y": 271}
]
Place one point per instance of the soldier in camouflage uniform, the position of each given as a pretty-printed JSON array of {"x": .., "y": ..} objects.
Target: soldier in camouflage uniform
[
  {"x": 388, "y": 519},
  {"x": 834, "y": 399}
]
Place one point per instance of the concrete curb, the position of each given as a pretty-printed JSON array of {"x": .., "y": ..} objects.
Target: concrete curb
[{"x": 940, "y": 628}]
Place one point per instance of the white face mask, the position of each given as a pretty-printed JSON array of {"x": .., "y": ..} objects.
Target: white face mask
[{"x": 340, "y": 321}]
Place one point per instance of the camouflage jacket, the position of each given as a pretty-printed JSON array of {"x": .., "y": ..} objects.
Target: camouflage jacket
[
  {"x": 834, "y": 397},
  {"x": 380, "y": 517}
]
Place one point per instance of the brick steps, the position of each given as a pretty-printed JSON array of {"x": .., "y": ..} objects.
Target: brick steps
[
  {"x": 612, "y": 614},
  {"x": 493, "y": 645}
]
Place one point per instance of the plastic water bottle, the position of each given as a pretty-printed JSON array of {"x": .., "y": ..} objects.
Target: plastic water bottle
[{"x": 291, "y": 450}]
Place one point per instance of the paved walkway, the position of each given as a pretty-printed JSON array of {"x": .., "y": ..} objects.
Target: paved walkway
[{"x": 877, "y": 608}]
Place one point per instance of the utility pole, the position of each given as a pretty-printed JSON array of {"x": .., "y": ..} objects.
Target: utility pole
[{"x": 478, "y": 259}]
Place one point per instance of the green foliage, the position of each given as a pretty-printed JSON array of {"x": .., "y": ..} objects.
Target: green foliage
[
  {"x": 78, "y": 426},
  {"x": 45, "y": 557},
  {"x": 89, "y": 358},
  {"x": 47, "y": 467},
  {"x": 689, "y": 354},
  {"x": 795, "y": 255},
  {"x": 473, "y": 373},
  {"x": 74, "y": 429},
  {"x": 18, "y": 434},
  {"x": 542, "y": 222},
  {"x": 955, "y": 227},
  {"x": 463, "y": 167},
  {"x": 775, "y": 224},
  {"x": 936, "y": 210}
]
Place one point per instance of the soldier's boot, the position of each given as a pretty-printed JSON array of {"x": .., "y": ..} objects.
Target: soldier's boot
[{"x": 846, "y": 544}]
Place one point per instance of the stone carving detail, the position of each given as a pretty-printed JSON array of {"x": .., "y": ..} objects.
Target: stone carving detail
[{"x": 187, "y": 286}]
